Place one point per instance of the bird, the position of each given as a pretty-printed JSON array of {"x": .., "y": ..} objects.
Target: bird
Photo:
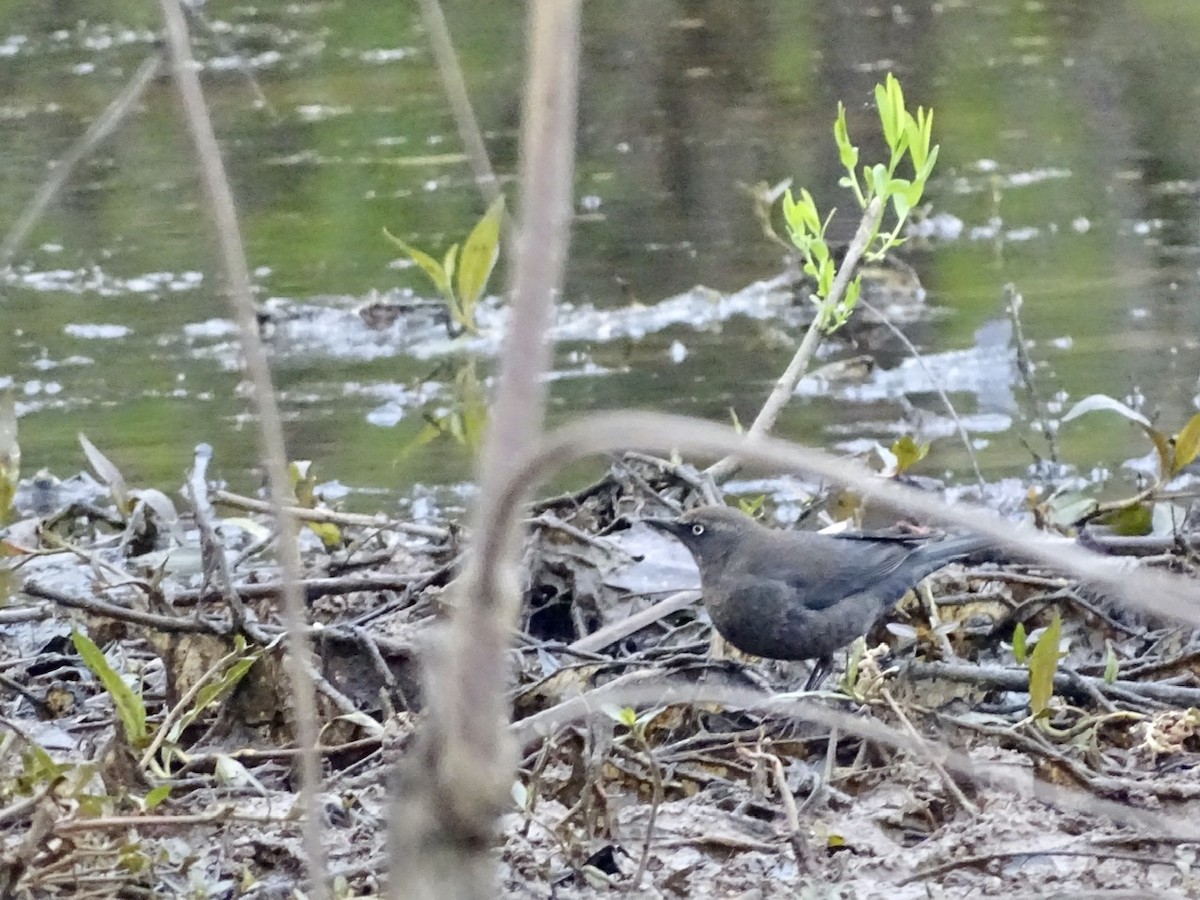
[{"x": 798, "y": 595}]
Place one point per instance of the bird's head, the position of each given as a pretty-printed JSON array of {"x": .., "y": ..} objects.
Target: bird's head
[{"x": 711, "y": 533}]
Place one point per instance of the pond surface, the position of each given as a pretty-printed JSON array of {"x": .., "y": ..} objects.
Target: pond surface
[{"x": 1068, "y": 167}]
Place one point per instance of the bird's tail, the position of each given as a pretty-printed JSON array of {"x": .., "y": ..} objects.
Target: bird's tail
[{"x": 931, "y": 557}]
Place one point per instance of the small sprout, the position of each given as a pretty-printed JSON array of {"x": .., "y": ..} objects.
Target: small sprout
[
  {"x": 462, "y": 275},
  {"x": 906, "y": 137},
  {"x": 908, "y": 453},
  {"x": 854, "y": 658},
  {"x": 303, "y": 477},
  {"x": 1112, "y": 665},
  {"x": 464, "y": 420},
  {"x": 752, "y": 506}
]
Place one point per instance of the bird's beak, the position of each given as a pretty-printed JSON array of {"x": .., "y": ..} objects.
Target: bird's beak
[{"x": 671, "y": 526}]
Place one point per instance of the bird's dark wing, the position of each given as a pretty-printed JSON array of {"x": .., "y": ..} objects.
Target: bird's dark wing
[{"x": 824, "y": 569}]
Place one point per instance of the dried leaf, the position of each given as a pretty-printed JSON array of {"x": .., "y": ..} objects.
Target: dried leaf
[
  {"x": 164, "y": 510},
  {"x": 1103, "y": 402},
  {"x": 1098, "y": 402},
  {"x": 107, "y": 472}
]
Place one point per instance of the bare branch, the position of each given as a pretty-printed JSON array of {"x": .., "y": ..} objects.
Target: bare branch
[{"x": 237, "y": 278}]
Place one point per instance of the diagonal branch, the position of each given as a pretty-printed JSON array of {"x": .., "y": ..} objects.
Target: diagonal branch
[{"x": 1172, "y": 597}]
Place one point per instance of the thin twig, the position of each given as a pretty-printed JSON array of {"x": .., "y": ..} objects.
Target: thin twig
[
  {"x": 930, "y": 756},
  {"x": 1026, "y": 368},
  {"x": 941, "y": 392},
  {"x": 610, "y": 634},
  {"x": 1070, "y": 685},
  {"x": 237, "y": 276},
  {"x": 162, "y": 623},
  {"x": 659, "y": 689},
  {"x": 655, "y": 803},
  {"x": 302, "y": 514},
  {"x": 982, "y": 859}
]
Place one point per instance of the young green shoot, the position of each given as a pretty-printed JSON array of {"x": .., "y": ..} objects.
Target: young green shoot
[
  {"x": 461, "y": 277},
  {"x": 875, "y": 189}
]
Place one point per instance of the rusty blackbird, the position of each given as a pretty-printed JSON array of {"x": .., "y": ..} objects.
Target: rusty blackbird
[{"x": 797, "y": 594}]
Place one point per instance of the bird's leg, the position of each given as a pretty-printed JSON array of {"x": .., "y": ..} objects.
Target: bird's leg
[
  {"x": 824, "y": 778},
  {"x": 820, "y": 671}
]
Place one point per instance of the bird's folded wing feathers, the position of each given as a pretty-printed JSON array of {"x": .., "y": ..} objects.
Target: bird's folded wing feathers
[{"x": 832, "y": 575}]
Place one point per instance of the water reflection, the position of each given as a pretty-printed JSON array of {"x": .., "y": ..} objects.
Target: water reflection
[{"x": 1068, "y": 167}]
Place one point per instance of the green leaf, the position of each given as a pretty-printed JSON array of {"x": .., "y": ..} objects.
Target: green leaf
[
  {"x": 1132, "y": 520},
  {"x": 479, "y": 255},
  {"x": 1187, "y": 444},
  {"x": 846, "y": 150},
  {"x": 449, "y": 261},
  {"x": 801, "y": 216},
  {"x": 878, "y": 178},
  {"x": 37, "y": 768},
  {"x": 752, "y": 506},
  {"x": 130, "y": 709},
  {"x": 922, "y": 174},
  {"x": 155, "y": 796},
  {"x": 430, "y": 432},
  {"x": 1043, "y": 665},
  {"x": 222, "y": 686},
  {"x": 1112, "y": 665},
  {"x": 428, "y": 264},
  {"x": 889, "y": 100},
  {"x": 10, "y": 452},
  {"x": 1020, "y": 651}
]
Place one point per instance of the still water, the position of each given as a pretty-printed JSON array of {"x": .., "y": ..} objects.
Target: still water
[{"x": 1069, "y": 168}]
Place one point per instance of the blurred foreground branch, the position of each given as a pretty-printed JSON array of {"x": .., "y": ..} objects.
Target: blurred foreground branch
[
  {"x": 223, "y": 214},
  {"x": 456, "y": 780}
]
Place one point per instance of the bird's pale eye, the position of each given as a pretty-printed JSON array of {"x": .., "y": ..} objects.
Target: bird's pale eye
[{"x": 697, "y": 530}]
